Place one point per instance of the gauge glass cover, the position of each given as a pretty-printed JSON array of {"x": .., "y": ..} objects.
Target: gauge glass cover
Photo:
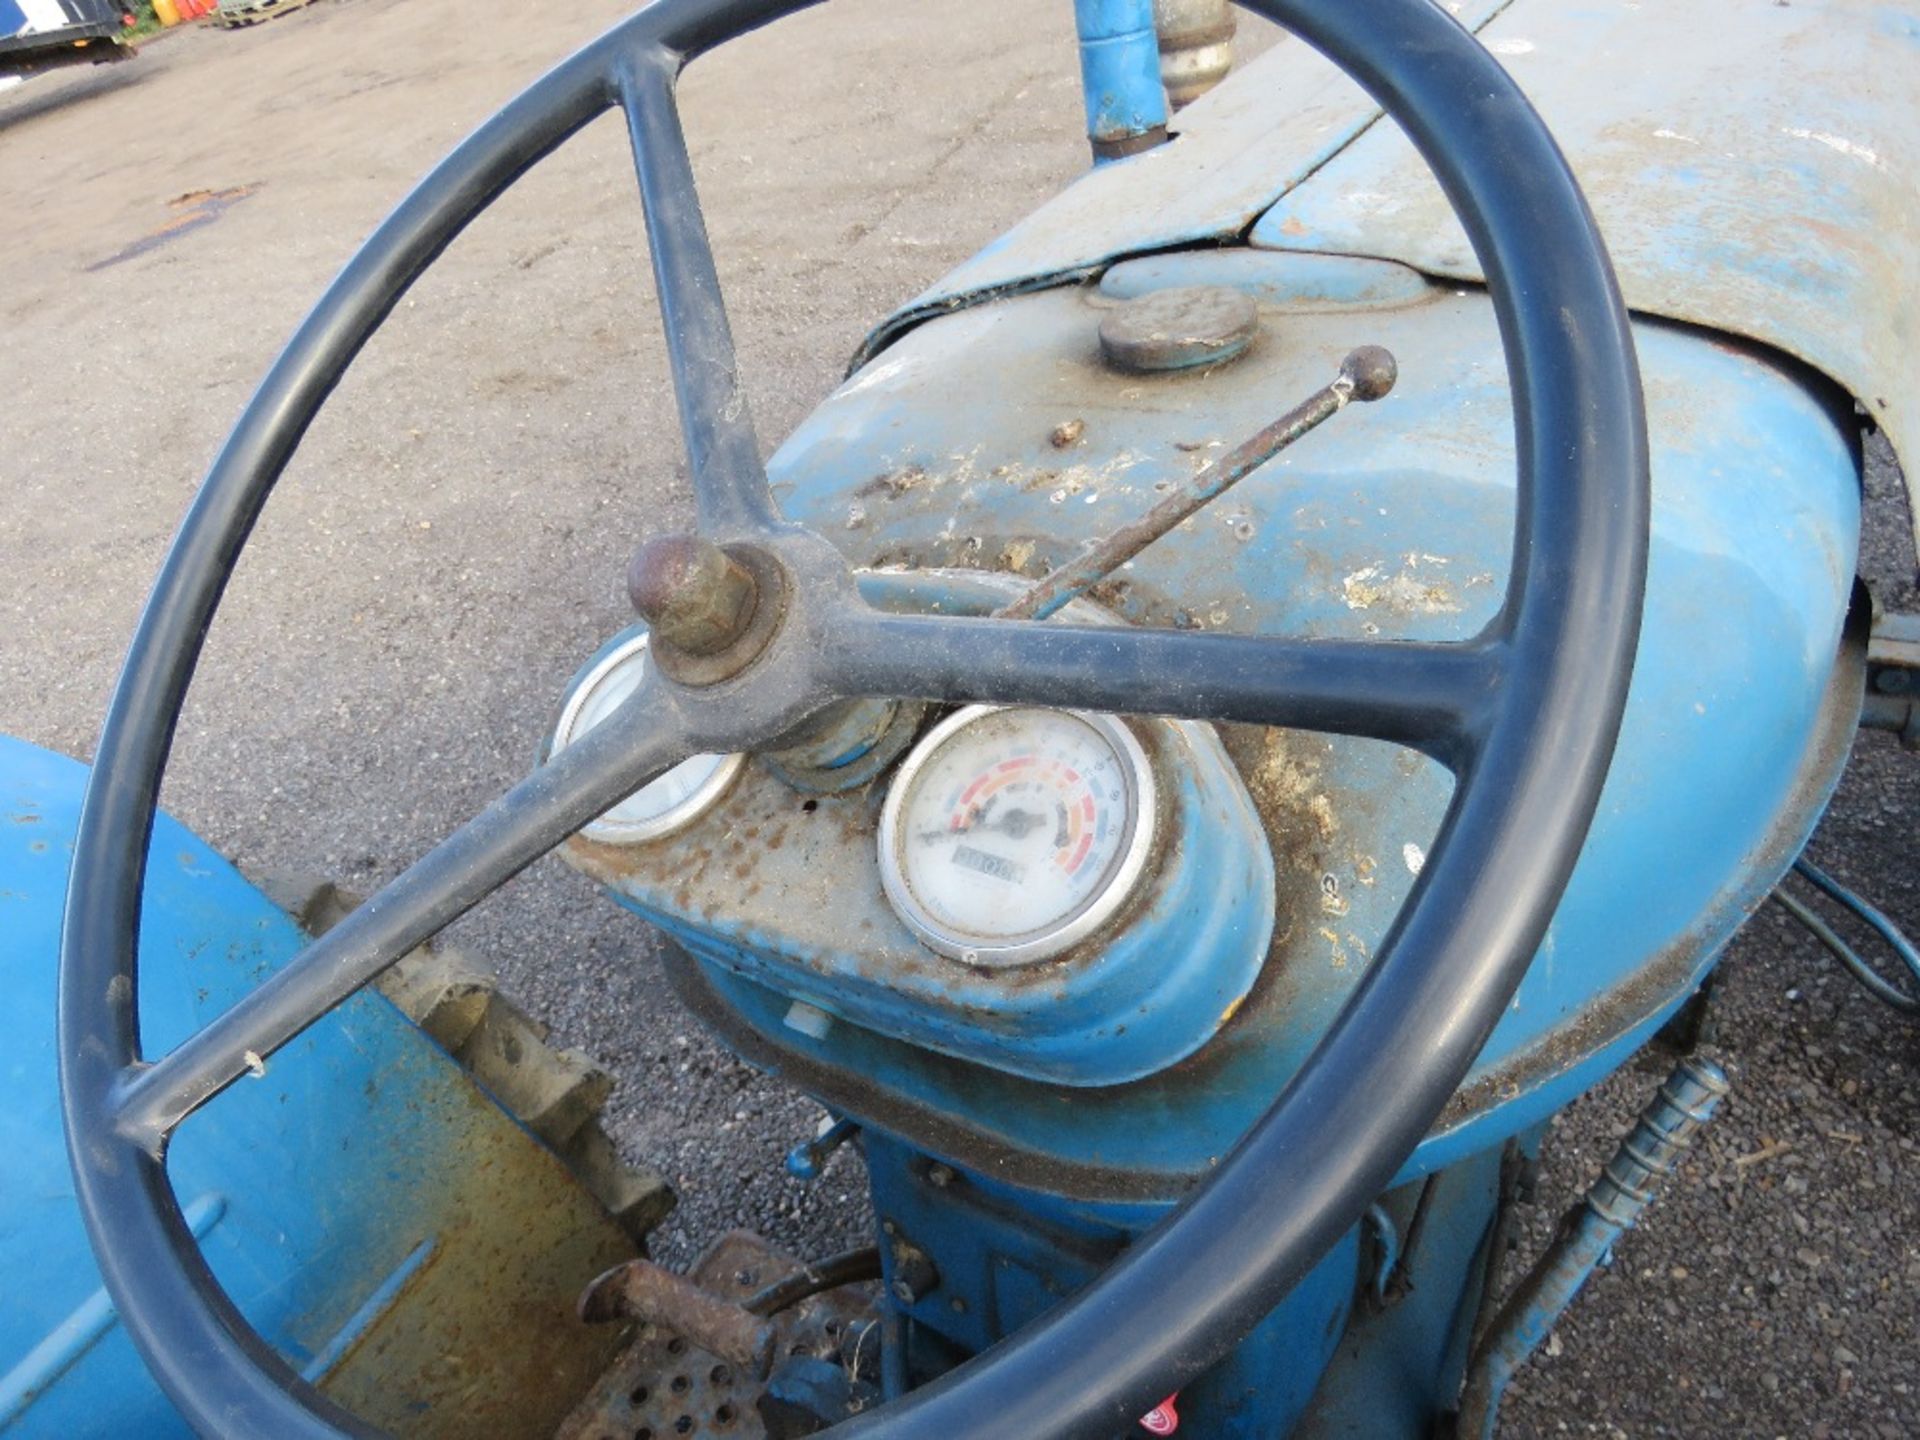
[
  {"x": 1010, "y": 834},
  {"x": 669, "y": 802}
]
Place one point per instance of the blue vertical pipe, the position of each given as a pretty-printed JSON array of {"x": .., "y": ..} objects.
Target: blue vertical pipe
[{"x": 1120, "y": 76}]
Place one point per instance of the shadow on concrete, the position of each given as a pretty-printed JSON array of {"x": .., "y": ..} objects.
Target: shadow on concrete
[{"x": 42, "y": 94}]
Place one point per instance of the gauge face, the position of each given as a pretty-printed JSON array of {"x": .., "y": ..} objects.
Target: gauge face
[
  {"x": 673, "y": 800},
  {"x": 1012, "y": 834}
]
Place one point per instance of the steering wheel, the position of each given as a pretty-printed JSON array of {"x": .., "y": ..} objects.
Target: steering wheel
[{"x": 758, "y": 627}]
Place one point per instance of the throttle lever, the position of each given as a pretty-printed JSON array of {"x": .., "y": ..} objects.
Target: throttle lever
[{"x": 1366, "y": 374}]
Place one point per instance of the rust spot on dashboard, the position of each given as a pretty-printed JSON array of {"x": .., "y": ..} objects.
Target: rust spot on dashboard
[{"x": 894, "y": 483}]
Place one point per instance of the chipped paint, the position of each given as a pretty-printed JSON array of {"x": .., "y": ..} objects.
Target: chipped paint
[
  {"x": 1403, "y": 593},
  {"x": 1281, "y": 778},
  {"x": 1837, "y": 143}
]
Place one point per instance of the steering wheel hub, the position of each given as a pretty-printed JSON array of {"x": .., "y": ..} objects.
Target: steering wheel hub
[{"x": 711, "y": 610}]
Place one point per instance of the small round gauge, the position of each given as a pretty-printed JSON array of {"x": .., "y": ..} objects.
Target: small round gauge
[
  {"x": 664, "y": 805},
  {"x": 1010, "y": 834}
]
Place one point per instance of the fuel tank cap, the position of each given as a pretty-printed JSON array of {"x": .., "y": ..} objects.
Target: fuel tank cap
[{"x": 1179, "y": 328}]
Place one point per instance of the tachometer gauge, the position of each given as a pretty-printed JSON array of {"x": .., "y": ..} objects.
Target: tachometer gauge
[
  {"x": 669, "y": 802},
  {"x": 1011, "y": 834}
]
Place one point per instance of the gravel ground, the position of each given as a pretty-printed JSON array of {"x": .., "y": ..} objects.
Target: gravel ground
[{"x": 447, "y": 547}]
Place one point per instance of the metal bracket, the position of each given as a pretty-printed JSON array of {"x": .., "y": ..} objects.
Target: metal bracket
[{"x": 1893, "y": 677}]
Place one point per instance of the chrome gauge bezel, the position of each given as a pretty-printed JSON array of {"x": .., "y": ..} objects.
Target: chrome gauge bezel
[
  {"x": 1116, "y": 890},
  {"x": 676, "y": 818}
]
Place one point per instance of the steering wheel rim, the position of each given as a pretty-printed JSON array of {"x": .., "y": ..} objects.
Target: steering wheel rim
[{"x": 1526, "y": 714}]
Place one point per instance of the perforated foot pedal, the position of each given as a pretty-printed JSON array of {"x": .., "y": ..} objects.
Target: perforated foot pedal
[{"x": 664, "y": 1387}]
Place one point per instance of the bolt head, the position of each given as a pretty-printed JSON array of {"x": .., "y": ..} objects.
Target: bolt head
[{"x": 692, "y": 594}]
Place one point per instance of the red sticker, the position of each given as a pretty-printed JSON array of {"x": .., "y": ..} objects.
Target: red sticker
[{"x": 1163, "y": 1419}]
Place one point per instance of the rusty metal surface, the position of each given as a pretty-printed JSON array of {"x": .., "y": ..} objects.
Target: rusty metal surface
[
  {"x": 482, "y": 1340},
  {"x": 654, "y": 1295},
  {"x": 732, "y": 615},
  {"x": 556, "y": 1094},
  {"x": 663, "y": 1387},
  {"x": 1752, "y": 166},
  {"x": 787, "y": 884},
  {"x": 691, "y": 594},
  {"x": 462, "y": 1213},
  {"x": 1196, "y": 46}
]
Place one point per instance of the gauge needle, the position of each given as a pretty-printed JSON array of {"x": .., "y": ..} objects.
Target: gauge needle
[
  {"x": 975, "y": 819},
  {"x": 1017, "y": 824}
]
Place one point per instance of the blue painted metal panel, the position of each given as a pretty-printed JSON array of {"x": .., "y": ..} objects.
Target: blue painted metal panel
[
  {"x": 350, "y": 1179},
  {"x": 206, "y": 936},
  {"x": 1756, "y": 177},
  {"x": 67, "y": 1343},
  {"x": 1392, "y": 522},
  {"x": 1004, "y": 1257},
  {"x": 1115, "y": 1008},
  {"x": 1399, "y": 1363}
]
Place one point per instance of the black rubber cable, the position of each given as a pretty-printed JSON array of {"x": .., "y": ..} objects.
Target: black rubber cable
[
  {"x": 1874, "y": 983},
  {"x": 849, "y": 1267}
]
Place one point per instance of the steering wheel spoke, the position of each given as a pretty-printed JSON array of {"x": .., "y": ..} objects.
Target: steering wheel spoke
[
  {"x": 729, "y": 481},
  {"x": 1435, "y": 697},
  {"x": 633, "y": 745}
]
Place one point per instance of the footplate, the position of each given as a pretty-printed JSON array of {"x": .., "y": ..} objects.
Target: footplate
[{"x": 664, "y": 1387}]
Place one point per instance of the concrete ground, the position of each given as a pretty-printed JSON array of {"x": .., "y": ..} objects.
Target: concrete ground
[{"x": 447, "y": 548}]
